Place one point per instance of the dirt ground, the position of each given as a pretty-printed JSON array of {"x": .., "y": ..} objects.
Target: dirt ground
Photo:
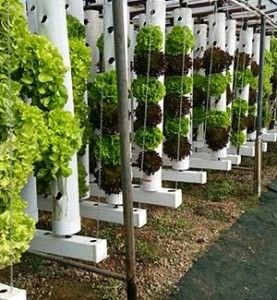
[{"x": 167, "y": 246}]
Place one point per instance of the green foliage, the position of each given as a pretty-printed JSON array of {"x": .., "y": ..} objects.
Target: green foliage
[
  {"x": 150, "y": 137},
  {"x": 217, "y": 84},
  {"x": 177, "y": 127},
  {"x": 149, "y": 38},
  {"x": 267, "y": 116},
  {"x": 108, "y": 149},
  {"x": 42, "y": 73},
  {"x": 243, "y": 78},
  {"x": 76, "y": 30},
  {"x": 104, "y": 87},
  {"x": 238, "y": 138},
  {"x": 199, "y": 81},
  {"x": 198, "y": 115},
  {"x": 240, "y": 107},
  {"x": 65, "y": 138},
  {"x": 218, "y": 190},
  {"x": 179, "y": 40},
  {"x": 148, "y": 89},
  {"x": 218, "y": 118},
  {"x": 268, "y": 73},
  {"x": 83, "y": 188},
  {"x": 252, "y": 109},
  {"x": 100, "y": 44},
  {"x": 146, "y": 252},
  {"x": 178, "y": 86}
]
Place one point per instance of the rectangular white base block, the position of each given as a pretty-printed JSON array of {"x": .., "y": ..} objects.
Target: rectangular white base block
[
  {"x": 8, "y": 293},
  {"x": 76, "y": 246},
  {"x": 164, "y": 197},
  {"x": 235, "y": 159},
  {"x": 269, "y": 137},
  {"x": 209, "y": 164},
  {"x": 247, "y": 150},
  {"x": 102, "y": 212},
  {"x": 179, "y": 176}
]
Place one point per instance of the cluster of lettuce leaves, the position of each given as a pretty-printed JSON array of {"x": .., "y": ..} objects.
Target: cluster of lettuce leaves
[{"x": 39, "y": 138}]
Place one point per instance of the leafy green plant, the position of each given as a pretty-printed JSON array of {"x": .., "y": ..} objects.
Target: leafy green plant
[
  {"x": 110, "y": 179},
  {"x": 178, "y": 85},
  {"x": 216, "y": 60},
  {"x": 243, "y": 78},
  {"x": 199, "y": 81},
  {"x": 154, "y": 115},
  {"x": 76, "y": 30},
  {"x": 238, "y": 138},
  {"x": 150, "y": 137},
  {"x": 267, "y": 117},
  {"x": 216, "y": 84},
  {"x": 152, "y": 162},
  {"x": 104, "y": 87},
  {"x": 179, "y": 40},
  {"x": 83, "y": 187},
  {"x": 178, "y": 64},
  {"x": 218, "y": 190},
  {"x": 172, "y": 151},
  {"x": 148, "y": 89},
  {"x": 218, "y": 118},
  {"x": 108, "y": 149},
  {"x": 176, "y": 106},
  {"x": 240, "y": 107},
  {"x": 100, "y": 44},
  {"x": 198, "y": 115},
  {"x": 217, "y": 138},
  {"x": 177, "y": 127},
  {"x": 149, "y": 38},
  {"x": 242, "y": 61}
]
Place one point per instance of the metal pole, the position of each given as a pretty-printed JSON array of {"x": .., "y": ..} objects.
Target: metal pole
[
  {"x": 258, "y": 143},
  {"x": 120, "y": 38}
]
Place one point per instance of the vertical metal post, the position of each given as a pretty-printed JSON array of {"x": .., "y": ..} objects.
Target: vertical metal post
[
  {"x": 258, "y": 143},
  {"x": 120, "y": 38}
]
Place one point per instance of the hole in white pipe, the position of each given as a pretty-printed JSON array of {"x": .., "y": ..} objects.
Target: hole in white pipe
[
  {"x": 66, "y": 6},
  {"x": 68, "y": 236},
  {"x": 171, "y": 191},
  {"x": 214, "y": 43},
  {"x": 86, "y": 21},
  {"x": 3, "y": 291},
  {"x": 44, "y": 19},
  {"x": 111, "y": 60},
  {"x": 93, "y": 241},
  {"x": 243, "y": 45},
  {"x": 214, "y": 23},
  {"x": 59, "y": 196},
  {"x": 152, "y": 12},
  {"x": 110, "y": 29},
  {"x": 136, "y": 186},
  {"x": 198, "y": 31},
  {"x": 180, "y": 19},
  {"x": 47, "y": 233},
  {"x": 32, "y": 8},
  {"x": 144, "y": 23}
]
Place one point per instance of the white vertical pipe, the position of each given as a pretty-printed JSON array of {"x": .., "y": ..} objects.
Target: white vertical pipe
[
  {"x": 183, "y": 17},
  {"x": 267, "y": 43},
  {"x": 142, "y": 20},
  {"x": 32, "y": 15},
  {"x": 94, "y": 29},
  {"x": 231, "y": 40},
  {"x": 109, "y": 52},
  {"x": 200, "y": 34},
  {"x": 156, "y": 15},
  {"x": 75, "y": 9},
  {"x": 66, "y": 213},
  {"x": 217, "y": 24},
  {"x": 29, "y": 194}
]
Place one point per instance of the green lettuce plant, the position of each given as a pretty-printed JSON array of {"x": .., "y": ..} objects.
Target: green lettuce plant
[
  {"x": 152, "y": 162},
  {"x": 83, "y": 187},
  {"x": 217, "y": 84},
  {"x": 149, "y": 38},
  {"x": 218, "y": 118},
  {"x": 177, "y": 85},
  {"x": 148, "y": 89},
  {"x": 238, "y": 138},
  {"x": 199, "y": 81},
  {"x": 177, "y": 127},
  {"x": 240, "y": 107},
  {"x": 243, "y": 78},
  {"x": 151, "y": 138},
  {"x": 198, "y": 115},
  {"x": 179, "y": 40},
  {"x": 76, "y": 30}
]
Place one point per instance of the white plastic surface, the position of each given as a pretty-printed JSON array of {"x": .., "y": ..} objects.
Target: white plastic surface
[{"x": 8, "y": 293}]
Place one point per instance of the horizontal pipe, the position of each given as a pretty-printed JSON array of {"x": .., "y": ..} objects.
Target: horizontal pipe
[{"x": 79, "y": 265}]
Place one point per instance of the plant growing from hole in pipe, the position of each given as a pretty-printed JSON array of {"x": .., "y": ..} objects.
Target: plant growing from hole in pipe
[
  {"x": 254, "y": 68},
  {"x": 197, "y": 63},
  {"x": 266, "y": 114},
  {"x": 154, "y": 115},
  {"x": 252, "y": 109},
  {"x": 152, "y": 162},
  {"x": 252, "y": 96},
  {"x": 82, "y": 174},
  {"x": 217, "y": 119},
  {"x": 239, "y": 123},
  {"x": 150, "y": 137},
  {"x": 238, "y": 138},
  {"x": 217, "y": 138},
  {"x": 178, "y": 64},
  {"x": 240, "y": 107},
  {"x": 172, "y": 151},
  {"x": 103, "y": 87},
  {"x": 176, "y": 106},
  {"x": 100, "y": 44},
  {"x": 108, "y": 148},
  {"x": 220, "y": 60},
  {"x": 178, "y": 85},
  {"x": 179, "y": 40},
  {"x": 217, "y": 84},
  {"x": 110, "y": 179},
  {"x": 243, "y": 78},
  {"x": 242, "y": 60},
  {"x": 148, "y": 89},
  {"x": 156, "y": 62},
  {"x": 176, "y": 126},
  {"x": 229, "y": 95},
  {"x": 251, "y": 125},
  {"x": 149, "y": 38},
  {"x": 76, "y": 30},
  {"x": 199, "y": 81},
  {"x": 198, "y": 115}
]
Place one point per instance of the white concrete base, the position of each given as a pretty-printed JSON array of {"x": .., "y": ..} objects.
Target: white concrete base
[
  {"x": 76, "y": 246},
  {"x": 273, "y": 130},
  {"x": 248, "y": 149},
  {"x": 269, "y": 137},
  {"x": 208, "y": 164},
  {"x": 163, "y": 197},
  {"x": 235, "y": 159},
  {"x": 102, "y": 212},
  {"x": 179, "y": 176},
  {"x": 8, "y": 293}
]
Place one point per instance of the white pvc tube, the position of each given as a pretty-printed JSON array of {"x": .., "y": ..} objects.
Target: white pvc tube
[
  {"x": 66, "y": 212},
  {"x": 156, "y": 15},
  {"x": 75, "y": 8},
  {"x": 217, "y": 38},
  {"x": 94, "y": 29},
  {"x": 183, "y": 17},
  {"x": 142, "y": 20},
  {"x": 29, "y": 194},
  {"x": 32, "y": 15},
  {"x": 231, "y": 40}
]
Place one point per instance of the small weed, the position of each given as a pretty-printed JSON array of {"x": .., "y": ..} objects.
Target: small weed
[
  {"x": 146, "y": 252},
  {"x": 162, "y": 224},
  {"x": 218, "y": 191},
  {"x": 33, "y": 262},
  {"x": 249, "y": 203}
]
